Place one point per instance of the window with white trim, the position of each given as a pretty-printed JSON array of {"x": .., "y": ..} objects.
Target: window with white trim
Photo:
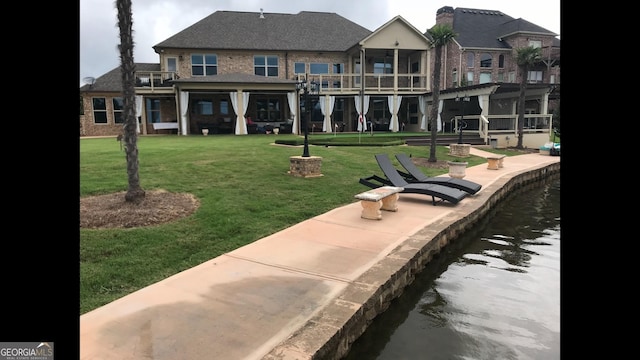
[
  {"x": 470, "y": 59},
  {"x": 318, "y": 68},
  {"x": 534, "y": 77},
  {"x": 299, "y": 68},
  {"x": 383, "y": 65},
  {"x": 118, "y": 114},
  {"x": 204, "y": 64},
  {"x": 485, "y": 77},
  {"x": 265, "y": 65},
  {"x": 153, "y": 110},
  {"x": 99, "y": 110},
  {"x": 535, "y": 43}
]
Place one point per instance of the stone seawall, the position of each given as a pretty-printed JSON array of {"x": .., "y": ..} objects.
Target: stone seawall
[{"x": 347, "y": 318}]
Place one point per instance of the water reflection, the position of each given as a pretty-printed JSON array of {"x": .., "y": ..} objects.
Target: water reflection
[{"x": 492, "y": 294}]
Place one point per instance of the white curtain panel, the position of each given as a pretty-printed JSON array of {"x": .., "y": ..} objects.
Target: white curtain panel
[
  {"x": 440, "y": 106},
  {"x": 394, "y": 107},
  {"x": 362, "y": 125},
  {"x": 184, "y": 107},
  {"x": 241, "y": 123},
  {"x": 293, "y": 108},
  {"x": 423, "y": 108},
  {"x": 138, "y": 111},
  {"x": 327, "y": 101}
]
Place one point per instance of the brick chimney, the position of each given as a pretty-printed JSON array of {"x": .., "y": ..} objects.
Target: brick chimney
[{"x": 444, "y": 15}]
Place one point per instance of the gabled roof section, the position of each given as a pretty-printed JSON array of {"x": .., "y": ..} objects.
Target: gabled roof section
[
  {"x": 112, "y": 81},
  {"x": 477, "y": 28},
  {"x": 389, "y": 25},
  {"x": 233, "y": 30}
]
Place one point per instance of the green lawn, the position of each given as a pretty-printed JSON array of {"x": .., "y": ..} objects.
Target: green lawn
[{"x": 245, "y": 194}]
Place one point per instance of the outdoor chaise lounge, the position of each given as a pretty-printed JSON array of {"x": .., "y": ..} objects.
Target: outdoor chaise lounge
[
  {"x": 393, "y": 178},
  {"x": 415, "y": 175}
]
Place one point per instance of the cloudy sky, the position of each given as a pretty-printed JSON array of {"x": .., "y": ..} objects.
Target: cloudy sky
[{"x": 157, "y": 20}]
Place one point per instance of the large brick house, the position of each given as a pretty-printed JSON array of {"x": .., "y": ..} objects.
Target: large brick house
[{"x": 232, "y": 65}]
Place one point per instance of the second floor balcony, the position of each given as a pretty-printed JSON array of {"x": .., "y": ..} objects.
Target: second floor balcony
[{"x": 155, "y": 79}]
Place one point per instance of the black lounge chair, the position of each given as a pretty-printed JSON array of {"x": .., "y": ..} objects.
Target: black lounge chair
[
  {"x": 415, "y": 175},
  {"x": 393, "y": 178}
]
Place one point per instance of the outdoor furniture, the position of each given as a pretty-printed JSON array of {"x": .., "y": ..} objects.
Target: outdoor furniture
[
  {"x": 416, "y": 175},
  {"x": 393, "y": 178},
  {"x": 382, "y": 198}
]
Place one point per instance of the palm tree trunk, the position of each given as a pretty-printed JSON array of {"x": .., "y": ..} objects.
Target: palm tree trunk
[
  {"x": 135, "y": 193},
  {"x": 433, "y": 117},
  {"x": 521, "y": 104}
]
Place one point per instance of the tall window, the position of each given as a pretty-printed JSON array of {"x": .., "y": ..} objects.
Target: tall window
[
  {"x": 512, "y": 77},
  {"x": 204, "y": 64},
  {"x": 501, "y": 61},
  {"x": 153, "y": 110},
  {"x": 485, "y": 60},
  {"x": 380, "y": 110},
  {"x": 338, "y": 112},
  {"x": 470, "y": 59},
  {"x": 99, "y": 110},
  {"x": 454, "y": 77},
  {"x": 118, "y": 115},
  {"x": 265, "y": 65},
  {"x": 415, "y": 68},
  {"x": 412, "y": 110},
  {"x": 470, "y": 78},
  {"x": 172, "y": 64},
  {"x": 357, "y": 71},
  {"x": 224, "y": 107}
]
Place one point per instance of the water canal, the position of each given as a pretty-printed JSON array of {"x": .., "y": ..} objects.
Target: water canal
[{"x": 494, "y": 293}]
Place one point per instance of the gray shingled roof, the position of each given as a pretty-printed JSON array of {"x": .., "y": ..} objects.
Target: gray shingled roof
[
  {"x": 112, "y": 81},
  {"x": 479, "y": 28},
  {"x": 305, "y": 31}
]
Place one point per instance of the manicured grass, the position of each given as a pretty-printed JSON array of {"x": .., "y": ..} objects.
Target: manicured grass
[{"x": 244, "y": 191}]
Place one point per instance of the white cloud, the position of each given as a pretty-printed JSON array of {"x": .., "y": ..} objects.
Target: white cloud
[{"x": 156, "y": 20}]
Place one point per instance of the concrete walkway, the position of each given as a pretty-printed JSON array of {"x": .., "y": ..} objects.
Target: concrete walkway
[{"x": 305, "y": 292}]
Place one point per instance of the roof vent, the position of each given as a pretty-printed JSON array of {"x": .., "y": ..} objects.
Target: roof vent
[{"x": 261, "y": 14}]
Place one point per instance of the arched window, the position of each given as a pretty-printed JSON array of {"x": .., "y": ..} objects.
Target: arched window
[
  {"x": 501, "y": 61},
  {"x": 470, "y": 59},
  {"x": 485, "y": 60}
]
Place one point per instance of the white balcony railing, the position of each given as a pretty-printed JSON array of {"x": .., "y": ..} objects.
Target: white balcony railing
[{"x": 153, "y": 79}]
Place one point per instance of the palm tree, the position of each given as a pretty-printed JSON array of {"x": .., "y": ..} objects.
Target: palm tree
[
  {"x": 441, "y": 34},
  {"x": 525, "y": 58},
  {"x": 125, "y": 23}
]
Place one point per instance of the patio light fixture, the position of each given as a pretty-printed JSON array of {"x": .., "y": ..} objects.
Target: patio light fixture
[
  {"x": 463, "y": 124},
  {"x": 305, "y": 88}
]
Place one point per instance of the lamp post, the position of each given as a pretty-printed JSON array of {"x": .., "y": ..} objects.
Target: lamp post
[
  {"x": 305, "y": 88},
  {"x": 462, "y": 123}
]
